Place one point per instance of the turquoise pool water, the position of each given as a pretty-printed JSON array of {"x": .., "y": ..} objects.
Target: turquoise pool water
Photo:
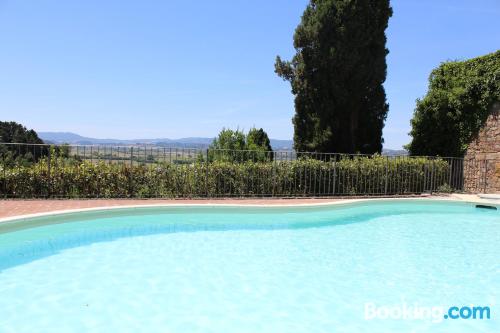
[{"x": 203, "y": 269}]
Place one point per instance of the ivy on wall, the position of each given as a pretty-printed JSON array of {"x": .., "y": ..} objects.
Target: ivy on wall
[{"x": 459, "y": 100}]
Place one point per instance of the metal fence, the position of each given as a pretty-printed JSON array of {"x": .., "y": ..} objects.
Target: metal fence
[{"x": 29, "y": 170}]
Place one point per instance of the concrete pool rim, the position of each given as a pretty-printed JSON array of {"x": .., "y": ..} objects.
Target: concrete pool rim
[{"x": 342, "y": 203}]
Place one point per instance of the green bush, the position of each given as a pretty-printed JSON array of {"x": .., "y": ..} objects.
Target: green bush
[
  {"x": 28, "y": 151},
  {"x": 305, "y": 177},
  {"x": 460, "y": 98},
  {"x": 235, "y": 146}
]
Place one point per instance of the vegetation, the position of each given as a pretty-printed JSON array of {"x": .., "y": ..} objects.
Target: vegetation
[
  {"x": 257, "y": 139},
  {"x": 235, "y": 146},
  {"x": 337, "y": 76},
  {"x": 304, "y": 177},
  {"x": 12, "y": 132},
  {"x": 229, "y": 139},
  {"x": 456, "y": 106}
]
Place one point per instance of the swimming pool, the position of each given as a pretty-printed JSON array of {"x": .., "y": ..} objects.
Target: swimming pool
[{"x": 249, "y": 269}]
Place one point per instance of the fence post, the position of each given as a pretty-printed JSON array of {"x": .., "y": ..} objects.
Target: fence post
[
  {"x": 450, "y": 172},
  {"x": 432, "y": 177},
  {"x": 334, "y": 174},
  {"x": 273, "y": 175},
  {"x": 4, "y": 177},
  {"x": 206, "y": 173},
  {"x": 49, "y": 162},
  {"x": 425, "y": 168},
  {"x": 485, "y": 180},
  {"x": 131, "y": 156},
  {"x": 386, "y": 174}
]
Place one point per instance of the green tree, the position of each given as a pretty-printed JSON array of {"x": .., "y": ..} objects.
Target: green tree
[
  {"x": 228, "y": 146},
  {"x": 259, "y": 144},
  {"x": 230, "y": 140},
  {"x": 12, "y": 132},
  {"x": 460, "y": 97},
  {"x": 257, "y": 139},
  {"x": 235, "y": 146},
  {"x": 337, "y": 74}
]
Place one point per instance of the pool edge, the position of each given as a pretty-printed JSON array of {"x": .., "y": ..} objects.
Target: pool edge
[{"x": 19, "y": 218}]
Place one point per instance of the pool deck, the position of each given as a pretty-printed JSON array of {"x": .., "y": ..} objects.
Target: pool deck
[
  {"x": 11, "y": 208},
  {"x": 28, "y": 208}
]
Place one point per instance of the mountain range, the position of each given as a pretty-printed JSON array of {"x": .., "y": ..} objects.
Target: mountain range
[{"x": 190, "y": 142}]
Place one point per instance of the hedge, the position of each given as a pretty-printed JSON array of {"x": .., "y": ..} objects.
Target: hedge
[{"x": 307, "y": 177}]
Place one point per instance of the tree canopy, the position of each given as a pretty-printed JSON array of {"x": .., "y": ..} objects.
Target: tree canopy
[
  {"x": 337, "y": 74},
  {"x": 257, "y": 139},
  {"x": 236, "y": 146},
  {"x": 456, "y": 106},
  {"x": 12, "y": 132}
]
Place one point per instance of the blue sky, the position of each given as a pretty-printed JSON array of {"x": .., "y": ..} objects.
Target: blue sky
[{"x": 144, "y": 69}]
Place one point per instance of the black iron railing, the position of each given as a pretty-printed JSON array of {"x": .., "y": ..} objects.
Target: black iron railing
[{"x": 80, "y": 171}]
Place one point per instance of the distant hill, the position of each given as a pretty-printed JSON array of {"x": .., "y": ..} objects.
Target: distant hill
[
  {"x": 394, "y": 152},
  {"x": 190, "y": 142}
]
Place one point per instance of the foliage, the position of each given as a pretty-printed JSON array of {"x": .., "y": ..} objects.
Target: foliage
[
  {"x": 12, "y": 132},
  {"x": 303, "y": 177},
  {"x": 229, "y": 139},
  {"x": 337, "y": 76},
  {"x": 229, "y": 146},
  {"x": 235, "y": 146},
  {"x": 456, "y": 106},
  {"x": 257, "y": 141}
]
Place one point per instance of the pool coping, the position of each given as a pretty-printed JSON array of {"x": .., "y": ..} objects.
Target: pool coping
[{"x": 464, "y": 198}]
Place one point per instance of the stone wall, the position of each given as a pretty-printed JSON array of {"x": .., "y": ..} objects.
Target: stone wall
[{"x": 482, "y": 159}]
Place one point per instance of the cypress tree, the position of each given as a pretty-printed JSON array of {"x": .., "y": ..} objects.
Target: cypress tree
[{"x": 337, "y": 76}]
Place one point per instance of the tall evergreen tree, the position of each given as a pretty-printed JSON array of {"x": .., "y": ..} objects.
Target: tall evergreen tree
[{"x": 337, "y": 75}]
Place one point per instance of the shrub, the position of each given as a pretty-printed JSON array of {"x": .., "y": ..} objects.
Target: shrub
[
  {"x": 12, "y": 132},
  {"x": 235, "y": 146},
  {"x": 459, "y": 100},
  {"x": 304, "y": 177}
]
